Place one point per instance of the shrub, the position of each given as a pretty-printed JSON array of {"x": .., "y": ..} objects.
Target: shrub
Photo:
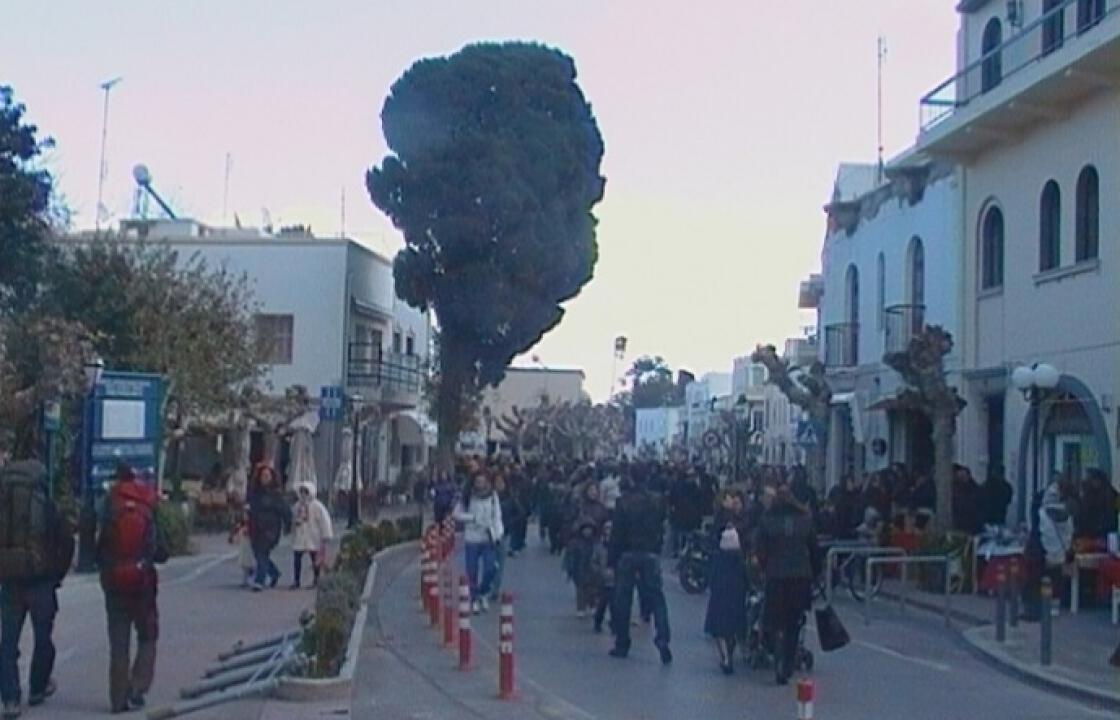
[
  {"x": 408, "y": 528},
  {"x": 336, "y": 604},
  {"x": 173, "y": 523}
]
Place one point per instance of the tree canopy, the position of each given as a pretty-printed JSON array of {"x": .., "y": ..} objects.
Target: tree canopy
[
  {"x": 652, "y": 383},
  {"x": 25, "y": 203},
  {"x": 492, "y": 176}
]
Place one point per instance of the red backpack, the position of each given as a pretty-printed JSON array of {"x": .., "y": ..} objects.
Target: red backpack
[{"x": 131, "y": 539}]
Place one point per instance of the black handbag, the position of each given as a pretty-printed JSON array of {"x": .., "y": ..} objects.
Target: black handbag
[{"x": 830, "y": 631}]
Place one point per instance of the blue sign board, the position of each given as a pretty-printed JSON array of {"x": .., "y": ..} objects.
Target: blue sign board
[
  {"x": 330, "y": 403},
  {"x": 806, "y": 433},
  {"x": 126, "y": 426}
]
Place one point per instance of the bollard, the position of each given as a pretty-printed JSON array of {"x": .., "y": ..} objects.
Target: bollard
[
  {"x": 1001, "y": 605},
  {"x": 505, "y": 648},
  {"x": 433, "y": 595},
  {"x": 464, "y": 623},
  {"x": 449, "y": 623},
  {"x": 805, "y": 695},
  {"x": 423, "y": 576},
  {"x": 1013, "y": 599},
  {"x": 1046, "y": 624}
]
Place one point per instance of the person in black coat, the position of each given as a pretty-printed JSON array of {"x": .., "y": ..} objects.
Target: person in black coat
[
  {"x": 995, "y": 497},
  {"x": 686, "y": 507},
  {"x": 269, "y": 517},
  {"x": 726, "y": 617}
]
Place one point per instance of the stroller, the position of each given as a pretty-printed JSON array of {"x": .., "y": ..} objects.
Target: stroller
[{"x": 758, "y": 650}]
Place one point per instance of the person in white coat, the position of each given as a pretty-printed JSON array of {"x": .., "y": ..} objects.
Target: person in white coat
[
  {"x": 312, "y": 530},
  {"x": 480, "y": 512}
]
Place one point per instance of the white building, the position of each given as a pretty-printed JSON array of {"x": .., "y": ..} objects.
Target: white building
[
  {"x": 328, "y": 316},
  {"x": 1030, "y": 117},
  {"x": 889, "y": 265},
  {"x": 703, "y": 399},
  {"x": 522, "y": 388},
  {"x": 658, "y": 430}
]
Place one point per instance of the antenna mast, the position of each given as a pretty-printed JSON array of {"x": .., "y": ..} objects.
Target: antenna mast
[
  {"x": 105, "y": 86},
  {"x": 225, "y": 189},
  {"x": 881, "y": 54}
]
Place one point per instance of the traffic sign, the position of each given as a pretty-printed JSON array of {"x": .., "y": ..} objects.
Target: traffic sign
[
  {"x": 330, "y": 402},
  {"x": 711, "y": 439},
  {"x": 806, "y": 434}
]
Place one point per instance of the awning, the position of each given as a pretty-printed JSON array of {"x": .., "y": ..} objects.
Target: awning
[
  {"x": 851, "y": 399},
  {"x": 416, "y": 428}
]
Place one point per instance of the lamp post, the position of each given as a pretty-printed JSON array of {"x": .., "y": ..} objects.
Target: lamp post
[
  {"x": 738, "y": 419},
  {"x": 356, "y": 403},
  {"x": 1035, "y": 382},
  {"x": 52, "y": 422},
  {"x": 488, "y": 418},
  {"x": 87, "y": 522}
]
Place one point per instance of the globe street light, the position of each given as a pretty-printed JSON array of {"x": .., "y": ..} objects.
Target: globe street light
[
  {"x": 1036, "y": 382},
  {"x": 92, "y": 368}
]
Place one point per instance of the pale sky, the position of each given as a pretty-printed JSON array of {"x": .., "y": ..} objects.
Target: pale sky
[{"x": 723, "y": 123}]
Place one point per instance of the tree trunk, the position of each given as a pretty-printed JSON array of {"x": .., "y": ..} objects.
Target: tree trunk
[
  {"x": 449, "y": 401},
  {"x": 818, "y": 453},
  {"x": 944, "y": 431}
]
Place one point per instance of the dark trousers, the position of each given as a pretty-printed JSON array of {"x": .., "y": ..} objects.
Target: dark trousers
[
  {"x": 17, "y": 601},
  {"x": 127, "y": 611},
  {"x": 605, "y": 599},
  {"x": 643, "y": 572},
  {"x": 297, "y": 561},
  {"x": 517, "y": 535},
  {"x": 265, "y": 567}
]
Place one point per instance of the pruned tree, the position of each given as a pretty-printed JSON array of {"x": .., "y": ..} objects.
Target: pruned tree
[
  {"x": 922, "y": 367},
  {"x": 652, "y": 384},
  {"x": 810, "y": 391},
  {"x": 493, "y": 175}
]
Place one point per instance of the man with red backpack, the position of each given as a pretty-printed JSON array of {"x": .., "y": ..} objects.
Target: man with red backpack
[
  {"x": 36, "y": 548},
  {"x": 128, "y": 548}
]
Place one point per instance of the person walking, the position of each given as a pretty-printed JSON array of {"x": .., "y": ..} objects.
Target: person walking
[
  {"x": 129, "y": 546},
  {"x": 636, "y": 539},
  {"x": 686, "y": 508},
  {"x": 269, "y": 518},
  {"x": 786, "y": 548},
  {"x": 312, "y": 529},
  {"x": 481, "y": 515},
  {"x": 35, "y": 555},
  {"x": 726, "y": 617}
]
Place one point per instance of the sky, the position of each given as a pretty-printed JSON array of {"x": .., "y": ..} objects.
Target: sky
[{"x": 723, "y": 120}]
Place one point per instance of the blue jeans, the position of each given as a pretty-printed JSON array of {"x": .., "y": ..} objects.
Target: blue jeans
[
  {"x": 265, "y": 566},
  {"x": 641, "y": 571},
  {"x": 487, "y": 554},
  {"x": 17, "y": 601}
]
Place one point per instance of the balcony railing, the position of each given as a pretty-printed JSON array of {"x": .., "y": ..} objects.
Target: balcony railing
[
  {"x": 370, "y": 366},
  {"x": 1040, "y": 38},
  {"x": 841, "y": 345},
  {"x": 902, "y": 323}
]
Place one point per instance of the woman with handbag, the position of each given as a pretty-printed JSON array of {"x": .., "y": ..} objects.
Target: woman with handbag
[
  {"x": 726, "y": 617},
  {"x": 480, "y": 512}
]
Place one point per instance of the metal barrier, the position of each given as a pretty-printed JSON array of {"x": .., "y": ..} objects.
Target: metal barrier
[
  {"x": 905, "y": 562},
  {"x": 854, "y": 548}
]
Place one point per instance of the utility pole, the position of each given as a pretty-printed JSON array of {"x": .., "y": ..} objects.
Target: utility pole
[
  {"x": 106, "y": 86},
  {"x": 225, "y": 188},
  {"x": 881, "y": 55}
]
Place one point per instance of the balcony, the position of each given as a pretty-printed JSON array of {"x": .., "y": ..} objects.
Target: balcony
[
  {"x": 902, "y": 323},
  {"x": 396, "y": 376},
  {"x": 1061, "y": 57},
  {"x": 841, "y": 345}
]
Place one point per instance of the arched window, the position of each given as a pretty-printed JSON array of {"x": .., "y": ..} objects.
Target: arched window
[
  {"x": 1050, "y": 228},
  {"x": 1089, "y": 13},
  {"x": 991, "y": 72},
  {"x": 1054, "y": 27},
  {"x": 991, "y": 249},
  {"x": 916, "y": 272},
  {"x": 1088, "y": 214},
  {"x": 881, "y": 289}
]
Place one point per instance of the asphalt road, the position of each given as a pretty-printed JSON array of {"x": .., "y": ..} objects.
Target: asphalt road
[{"x": 897, "y": 666}]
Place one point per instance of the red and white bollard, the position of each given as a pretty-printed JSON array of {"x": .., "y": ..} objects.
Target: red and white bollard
[
  {"x": 433, "y": 591},
  {"x": 424, "y": 576},
  {"x": 805, "y": 694},
  {"x": 464, "y": 623},
  {"x": 449, "y": 613},
  {"x": 505, "y": 648}
]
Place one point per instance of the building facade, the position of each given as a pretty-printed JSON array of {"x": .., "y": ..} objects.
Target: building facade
[
  {"x": 1030, "y": 118},
  {"x": 657, "y": 431}
]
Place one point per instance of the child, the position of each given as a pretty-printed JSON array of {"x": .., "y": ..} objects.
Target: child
[
  {"x": 240, "y": 535},
  {"x": 604, "y": 574}
]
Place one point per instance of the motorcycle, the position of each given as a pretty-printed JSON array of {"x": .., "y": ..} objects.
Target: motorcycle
[{"x": 694, "y": 563}]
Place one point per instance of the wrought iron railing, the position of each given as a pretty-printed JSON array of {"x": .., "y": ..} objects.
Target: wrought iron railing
[
  {"x": 1038, "y": 39},
  {"x": 902, "y": 323},
  {"x": 369, "y": 365},
  {"x": 841, "y": 345}
]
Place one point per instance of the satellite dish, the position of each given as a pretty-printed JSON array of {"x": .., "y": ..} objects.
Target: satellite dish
[{"x": 142, "y": 175}]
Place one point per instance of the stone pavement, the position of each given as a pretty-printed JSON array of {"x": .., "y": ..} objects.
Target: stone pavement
[{"x": 1082, "y": 643}]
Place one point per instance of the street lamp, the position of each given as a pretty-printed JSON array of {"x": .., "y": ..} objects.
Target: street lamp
[
  {"x": 739, "y": 418},
  {"x": 87, "y": 521},
  {"x": 1035, "y": 382},
  {"x": 488, "y": 418},
  {"x": 356, "y": 402}
]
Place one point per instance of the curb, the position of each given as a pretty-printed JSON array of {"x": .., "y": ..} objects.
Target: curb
[
  {"x": 341, "y": 687},
  {"x": 1036, "y": 675},
  {"x": 955, "y": 615}
]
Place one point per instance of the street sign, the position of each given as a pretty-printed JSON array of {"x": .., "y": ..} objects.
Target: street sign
[
  {"x": 330, "y": 402},
  {"x": 712, "y": 439},
  {"x": 806, "y": 435},
  {"x": 126, "y": 426}
]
